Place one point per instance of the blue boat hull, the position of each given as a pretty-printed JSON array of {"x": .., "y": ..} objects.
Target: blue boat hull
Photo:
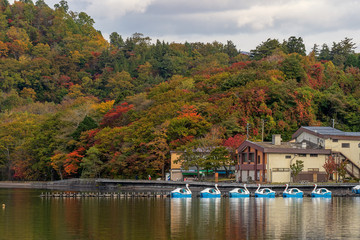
[
  {"x": 238, "y": 195},
  {"x": 296, "y": 195},
  {"x": 357, "y": 191},
  {"x": 269, "y": 195},
  {"x": 180, "y": 195},
  {"x": 317, "y": 195},
  {"x": 210, "y": 195}
]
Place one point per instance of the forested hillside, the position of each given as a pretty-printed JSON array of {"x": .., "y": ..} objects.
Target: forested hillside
[{"x": 74, "y": 105}]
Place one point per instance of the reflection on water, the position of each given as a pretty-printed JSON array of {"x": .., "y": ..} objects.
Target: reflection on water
[
  {"x": 27, "y": 216},
  {"x": 180, "y": 214}
]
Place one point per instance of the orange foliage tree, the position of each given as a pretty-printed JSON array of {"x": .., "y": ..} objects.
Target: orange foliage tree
[{"x": 72, "y": 161}]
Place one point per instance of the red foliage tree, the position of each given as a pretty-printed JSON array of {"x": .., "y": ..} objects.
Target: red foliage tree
[
  {"x": 182, "y": 141},
  {"x": 115, "y": 117},
  {"x": 330, "y": 166},
  {"x": 238, "y": 66},
  {"x": 315, "y": 76},
  {"x": 234, "y": 142}
]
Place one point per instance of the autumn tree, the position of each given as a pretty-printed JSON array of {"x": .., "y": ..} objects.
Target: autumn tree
[
  {"x": 116, "y": 116},
  {"x": 232, "y": 144},
  {"x": 16, "y": 132},
  {"x": 330, "y": 167},
  {"x": 58, "y": 162},
  {"x": 72, "y": 162},
  {"x": 120, "y": 86},
  {"x": 160, "y": 149},
  {"x": 188, "y": 123}
]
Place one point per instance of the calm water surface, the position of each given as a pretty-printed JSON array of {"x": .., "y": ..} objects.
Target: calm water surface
[{"x": 27, "y": 216}]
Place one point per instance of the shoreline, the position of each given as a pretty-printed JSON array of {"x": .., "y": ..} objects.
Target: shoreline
[{"x": 79, "y": 184}]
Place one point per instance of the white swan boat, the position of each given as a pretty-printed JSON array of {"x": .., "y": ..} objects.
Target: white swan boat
[
  {"x": 210, "y": 192},
  {"x": 264, "y": 192},
  {"x": 239, "y": 192},
  {"x": 292, "y": 192},
  {"x": 181, "y": 192},
  {"x": 321, "y": 192},
  {"x": 356, "y": 189}
]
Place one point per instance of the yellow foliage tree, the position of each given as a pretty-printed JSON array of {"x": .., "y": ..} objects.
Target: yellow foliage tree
[
  {"x": 4, "y": 49},
  {"x": 100, "y": 109}
]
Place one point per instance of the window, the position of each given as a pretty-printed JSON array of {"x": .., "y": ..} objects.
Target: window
[
  {"x": 335, "y": 140},
  {"x": 345, "y": 145},
  {"x": 251, "y": 157},
  {"x": 258, "y": 160},
  {"x": 244, "y": 158},
  {"x": 288, "y": 156},
  {"x": 313, "y": 155},
  {"x": 302, "y": 155},
  {"x": 359, "y": 145}
]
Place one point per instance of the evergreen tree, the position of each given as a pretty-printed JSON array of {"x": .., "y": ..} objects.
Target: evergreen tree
[
  {"x": 87, "y": 124},
  {"x": 294, "y": 45}
]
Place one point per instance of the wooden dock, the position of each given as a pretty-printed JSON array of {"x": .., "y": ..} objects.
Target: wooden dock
[
  {"x": 105, "y": 195},
  {"x": 154, "y": 194}
]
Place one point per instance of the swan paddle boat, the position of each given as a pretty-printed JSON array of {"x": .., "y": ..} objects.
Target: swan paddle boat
[
  {"x": 321, "y": 192},
  {"x": 292, "y": 192},
  {"x": 210, "y": 192},
  {"x": 264, "y": 192},
  {"x": 239, "y": 192},
  {"x": 181, "y": 192},
  {"x": 356, "y": 189}
]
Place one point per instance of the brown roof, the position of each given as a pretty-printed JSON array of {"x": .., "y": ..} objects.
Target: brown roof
[{"x": 285, "y": 147}]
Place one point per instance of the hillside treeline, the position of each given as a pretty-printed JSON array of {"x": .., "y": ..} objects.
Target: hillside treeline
[{"x": 75, "y": 105}]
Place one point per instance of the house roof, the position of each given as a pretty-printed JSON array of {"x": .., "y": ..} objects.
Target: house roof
[
  {"x": 199, "y": 149},
  {"x": 328, "y": 132},
  {"x": 285, "y": 147}
]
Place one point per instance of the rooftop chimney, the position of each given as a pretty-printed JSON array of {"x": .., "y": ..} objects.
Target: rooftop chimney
[{"x": 276, "y": 139}]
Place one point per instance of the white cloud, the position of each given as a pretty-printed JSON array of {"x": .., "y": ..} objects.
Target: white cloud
[
  {"x": 113, "y": 9},
  {"x": 292, "y": 15}
]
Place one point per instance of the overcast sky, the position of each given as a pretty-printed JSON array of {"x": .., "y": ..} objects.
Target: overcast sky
[{"x": 246, "y": 23}]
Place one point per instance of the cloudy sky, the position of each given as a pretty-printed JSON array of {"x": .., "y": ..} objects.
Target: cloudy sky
[{"x": 246, "y": 23}]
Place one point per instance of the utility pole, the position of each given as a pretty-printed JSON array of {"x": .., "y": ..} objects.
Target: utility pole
[
  {"x": 247, "y": 130},
  {"x": 333, "y": 123},
  {"x": 262, "y": 130}
]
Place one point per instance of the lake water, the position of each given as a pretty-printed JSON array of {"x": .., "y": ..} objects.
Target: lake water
[{"x": 28, "y": 216}]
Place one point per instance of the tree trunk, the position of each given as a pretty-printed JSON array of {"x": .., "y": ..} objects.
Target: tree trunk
[
  {"x": 198, "y": 172},
  {"x": 8, "y": 164},
  {"x": 163, "y": 171}
]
